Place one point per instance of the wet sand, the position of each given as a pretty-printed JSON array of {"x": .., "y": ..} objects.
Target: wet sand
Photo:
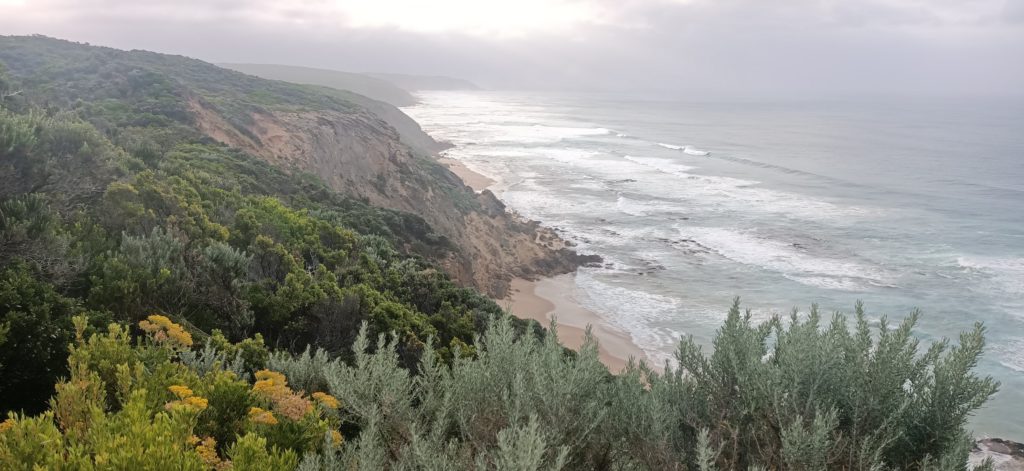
[
  {"x": 554, "y": 297},
  {"x": 472, "y": 179}
]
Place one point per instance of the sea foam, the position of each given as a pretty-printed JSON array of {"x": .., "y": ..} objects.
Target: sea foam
[
  {"x": 748, "y": 248},
  {"x": 635, "y": 312}
]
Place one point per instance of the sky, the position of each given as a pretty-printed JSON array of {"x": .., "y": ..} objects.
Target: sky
[{"x": 773, "y": 47}]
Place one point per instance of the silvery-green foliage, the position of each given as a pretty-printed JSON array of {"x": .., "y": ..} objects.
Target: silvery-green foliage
[
  {"x": 805, "y": 446},
  {"x": 706, "y": 456},
  {"x": 788, "y": 394},
  {"x": 641, "y": 430},
  {"x": 328, "y": 459},
  {"x": 873, "y": 400},
  {"x": 210, "y": 359},
  {"x": 525, "y": 448},
  {"x": 375, "y": 390},
  {"x": 305, "y": 372},
  {"x": 429, "y": 451},
  {"x": 512, "y": 379}
]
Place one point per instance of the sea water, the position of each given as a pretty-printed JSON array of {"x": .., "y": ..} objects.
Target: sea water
[{"x": 901, "y": 203}]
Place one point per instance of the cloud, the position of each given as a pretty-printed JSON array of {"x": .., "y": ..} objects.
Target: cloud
[{"x": 678, "y": 46}]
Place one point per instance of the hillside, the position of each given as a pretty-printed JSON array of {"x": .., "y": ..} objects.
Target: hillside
[
  {"x": 316, "y": 130},
  {"x": 370, "y": 87},
  {"x": 377, "y": 96},
  {"x": 414, "y": 83}
]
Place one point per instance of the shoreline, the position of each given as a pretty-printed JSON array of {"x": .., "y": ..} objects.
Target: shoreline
[
  {"x": 470, "y": 178},
  {"x": 554, "y": 297},
  {"x": 543, "y": 299}
]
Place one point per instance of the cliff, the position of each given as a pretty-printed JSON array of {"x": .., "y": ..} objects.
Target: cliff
[
  {"x": 340, "y": 137},
  {"x": 376, "y": 95},
  {"x": 357, "y": 153}
]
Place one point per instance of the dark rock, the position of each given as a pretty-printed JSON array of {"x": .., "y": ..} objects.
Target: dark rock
[{"x": 1006, "y": 455}]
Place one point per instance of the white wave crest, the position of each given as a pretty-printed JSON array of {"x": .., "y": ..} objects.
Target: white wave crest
[
  {"x": 662, "y": 165},
  {"x": 1007, "y": 274},
  {"x": 694, "y": 151},
  {"x": 670, "y": 146},
  {"x": 749, "y": 249},
  {"x": 1011, "y": 354}
]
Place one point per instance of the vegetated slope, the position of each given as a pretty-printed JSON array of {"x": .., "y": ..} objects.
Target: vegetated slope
[
  {"x": 414, "y": 83},
  {"x": 378, "y": 96},
  {"x": 301, "y": 128},
  {"x": 114, "y": 203},
  {"x": 371, "y": 87}
]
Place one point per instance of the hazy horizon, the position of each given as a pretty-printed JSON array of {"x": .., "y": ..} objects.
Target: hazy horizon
[{"x": 692, "y": 47}]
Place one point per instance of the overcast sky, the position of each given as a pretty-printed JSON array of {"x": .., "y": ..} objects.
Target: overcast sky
[{"x": 684, "y": 46}]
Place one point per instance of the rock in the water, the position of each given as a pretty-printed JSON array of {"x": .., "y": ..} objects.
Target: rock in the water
[{"x": 1005, "y": 454}]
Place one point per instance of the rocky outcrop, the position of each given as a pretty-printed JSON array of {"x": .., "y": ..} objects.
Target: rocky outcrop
[
  {"x": 1005, "y": 454},
  {"x": 359, "y": 154}
]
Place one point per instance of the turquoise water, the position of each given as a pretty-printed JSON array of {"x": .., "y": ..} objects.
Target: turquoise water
[{"x": 898, "y": 203}]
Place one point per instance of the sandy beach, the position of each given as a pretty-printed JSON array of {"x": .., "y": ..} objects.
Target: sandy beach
[
  {"x": 472, "y": 179},
  {"x": 554, "y": 298}
]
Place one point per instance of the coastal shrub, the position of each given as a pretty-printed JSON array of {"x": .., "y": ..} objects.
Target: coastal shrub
[
  {"x": 783, "y": 394},
  {"x": 786, "y": 393},
  {"x": 37, "y": 322}
]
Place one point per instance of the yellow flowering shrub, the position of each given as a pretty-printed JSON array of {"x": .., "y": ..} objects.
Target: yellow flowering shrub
[
  {"x": 326, "y": 400},
  {"x": 165, "y": 332},
  {"x": 273, "y": 386},
  {"x": 260, "y": 416},
  {"x": 181, "y": 391},
  {"x": 290, "y": 420},
  {"x": 137, "y": 406},
  {"x": 207, "y": 451},
  {"x": 132, "y": 438},
  {"x": 186, "y": 401}
]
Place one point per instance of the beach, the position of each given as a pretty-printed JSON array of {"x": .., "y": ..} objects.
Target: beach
[
  {"x": 472, "y": 179},
  {"x": 554, "y": 298}
]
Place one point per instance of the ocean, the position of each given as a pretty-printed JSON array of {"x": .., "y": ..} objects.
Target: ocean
[{"x": 900, "y": 203}]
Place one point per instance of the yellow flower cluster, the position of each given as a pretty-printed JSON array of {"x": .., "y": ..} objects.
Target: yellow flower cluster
[
  {"x": 273, "y": 386},
  {"x": 326, "y": 400},
  {"x": 336, "y": 437},
  {"x": 166, "y": 332},
  {"x": 196, "y": 402},
  {"x": 270, "y": 383},
  {"x": 181, "y": 391},
  {"x": 261, "y": 416},
  {"x": 6, "y": 425},
  {"x": 207, "y": 451},
  {"x": 186, "y": 399}
]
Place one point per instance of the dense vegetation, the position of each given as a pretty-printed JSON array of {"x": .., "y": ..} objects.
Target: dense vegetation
[{"x": 167, "y": 302}]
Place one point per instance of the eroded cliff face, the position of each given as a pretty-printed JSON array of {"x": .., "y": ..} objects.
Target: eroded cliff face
[{"x": 358, "y": 154}]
